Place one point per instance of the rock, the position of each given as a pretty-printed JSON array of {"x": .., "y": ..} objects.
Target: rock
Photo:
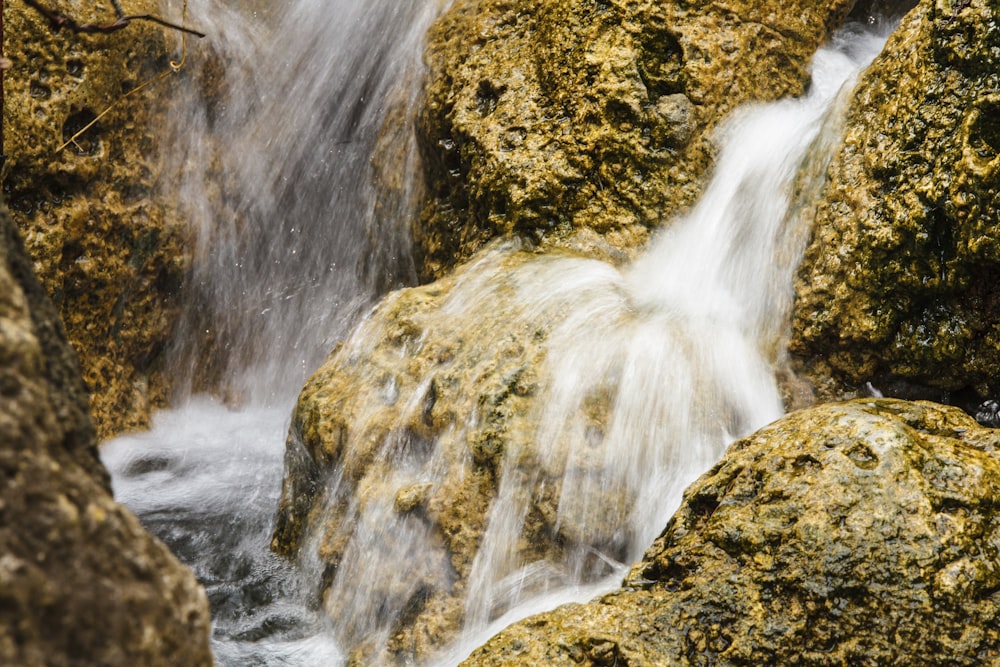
[
  {"x": 108, "y": 251},
  {"x": 988, "y": 413},
  {"x": 899, "y": 286},
  {"x": 509, "y": 428},
  {"x": 413, "y": 420},
  {"x": 81, "y": 582},
  {"x": 586, "y": 124},
  {"x": 852, "y": 533}
]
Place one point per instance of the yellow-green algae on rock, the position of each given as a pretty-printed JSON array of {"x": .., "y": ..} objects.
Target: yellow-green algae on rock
[
  {"x": 81, "y": 581},
  {"x": 899, "y": 285},
  {"x": 851, "y": 533},
  {"x": 586, "y": 123},
  {"x": 108, "y": 251}
]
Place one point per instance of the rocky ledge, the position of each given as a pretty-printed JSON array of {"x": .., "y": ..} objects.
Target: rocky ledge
[
  {"x": 851, "y": 533},
  {"x": 899, "y": 286},
  {"x": 587, "y": 124}
]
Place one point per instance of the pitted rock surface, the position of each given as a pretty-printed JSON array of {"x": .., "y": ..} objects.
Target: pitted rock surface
[
  {"x": 586, "y": 124},
  {"x": 850, "y": 533},
  {"x": 899, "y": 286}
]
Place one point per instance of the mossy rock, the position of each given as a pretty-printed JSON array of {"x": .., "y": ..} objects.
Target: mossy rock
[
  {"x": 587, "y": 123},
  {"x": 850, "y": 533},
  {"x": 396, "y": 448},
  {"x": 107, "y": 248},
  {"x": 81, "y": 581},
  {"x": 900, "y": 285}
]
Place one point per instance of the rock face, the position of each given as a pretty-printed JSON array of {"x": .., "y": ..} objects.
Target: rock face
[
  {"x": 110, "y": 255},
  {"x": 413, "y": 423},
  {"x": 523, "y": 423},
  {"x": 586, "y": 123},
  {"x": 81, "y": 582},
  {"x": 900, "y": 283},
  {"x": 854, "y": 533}
]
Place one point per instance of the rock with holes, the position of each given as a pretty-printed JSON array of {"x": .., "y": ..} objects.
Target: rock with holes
[
  {"x": 484, "y": 438},
  {"x": 81, "y": 582},
  {"x": 110, "y": 254},
  {"x": 586, "y": 123},
  {"x": 396, "y": 450},
  {"x": 901, "y": 283},
  {"x": 852, "y": 533}
]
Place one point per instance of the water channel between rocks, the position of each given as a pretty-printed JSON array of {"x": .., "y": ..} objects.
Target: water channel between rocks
[{"x": 698, "y": 320}]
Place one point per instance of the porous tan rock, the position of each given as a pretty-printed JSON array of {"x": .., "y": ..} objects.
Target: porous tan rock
[
  {"x": 587, "y": 123},
  {"x": 522, "y": 423},
  {"x": 81, "y": 582},
  {"x": 106, "y": 248},
  {"x": 850, "y": 533},
  {"x": 899, "y": 286},
  {"x": 407, "y": 425}
]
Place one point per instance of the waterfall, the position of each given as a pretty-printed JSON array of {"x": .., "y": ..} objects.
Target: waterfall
[
  {"x": 282, "y": 172},
  {"x": 281, "y": 149},
  {"x": 686, "y": 340}
]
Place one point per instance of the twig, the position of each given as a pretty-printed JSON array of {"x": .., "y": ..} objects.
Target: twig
[
  {"x": 72, "y": 140},
  {"x": 59, "y": 21},
  {"x": 175, "y": 66}
]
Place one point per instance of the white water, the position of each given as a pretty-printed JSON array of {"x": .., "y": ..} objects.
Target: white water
[
  {"x": 206, "y": 480},
  {"x": 309, "y": 231},
  {"x": 688, "y": 337}
]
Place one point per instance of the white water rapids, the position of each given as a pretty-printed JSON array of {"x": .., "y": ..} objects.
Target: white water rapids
[{"x": 285, "y": 278}]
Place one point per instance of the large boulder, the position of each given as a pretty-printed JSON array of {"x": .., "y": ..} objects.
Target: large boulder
[
  {"x": 516, "y": 425},
  {"x": 81, "y": 582},
  {"x": 854, "y": 533},
  {"x": 586, "y": 124},
  {"x": 110, "y": 254},
  {"x": 899, "y": 286},
  {"x": 396, "y": 446}
]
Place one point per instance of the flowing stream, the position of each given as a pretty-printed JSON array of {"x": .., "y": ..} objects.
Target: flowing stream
[{"x": 691, "y": 334}]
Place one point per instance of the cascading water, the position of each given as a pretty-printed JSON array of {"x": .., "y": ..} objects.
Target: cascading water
[
  {"x": 295, "y": 230},
  {"x": 276, "y": 173},
  {"x": 685, "y": 341}
]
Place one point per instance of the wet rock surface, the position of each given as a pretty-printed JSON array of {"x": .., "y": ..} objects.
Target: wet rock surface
[
  {"x": 515, "y": 427},
  {"x": 586, "y": 124},
  {"x": 81, "y": 582},
  {"x": 850, "y": 533},
  {"x": 397, "y": 445},
  {"x": 899, "y": 286},
  {"x": 110, "y": 254}
]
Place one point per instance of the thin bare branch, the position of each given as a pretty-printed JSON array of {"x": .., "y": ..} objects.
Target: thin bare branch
[{"x": 59, "y": 21}]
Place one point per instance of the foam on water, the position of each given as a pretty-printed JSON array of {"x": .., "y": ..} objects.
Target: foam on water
[{"x": 206, "y": 479}]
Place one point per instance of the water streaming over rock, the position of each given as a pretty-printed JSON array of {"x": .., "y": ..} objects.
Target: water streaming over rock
[
  {"x": 282, "y": 159},
  {"x": 683, "y": 344}
]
